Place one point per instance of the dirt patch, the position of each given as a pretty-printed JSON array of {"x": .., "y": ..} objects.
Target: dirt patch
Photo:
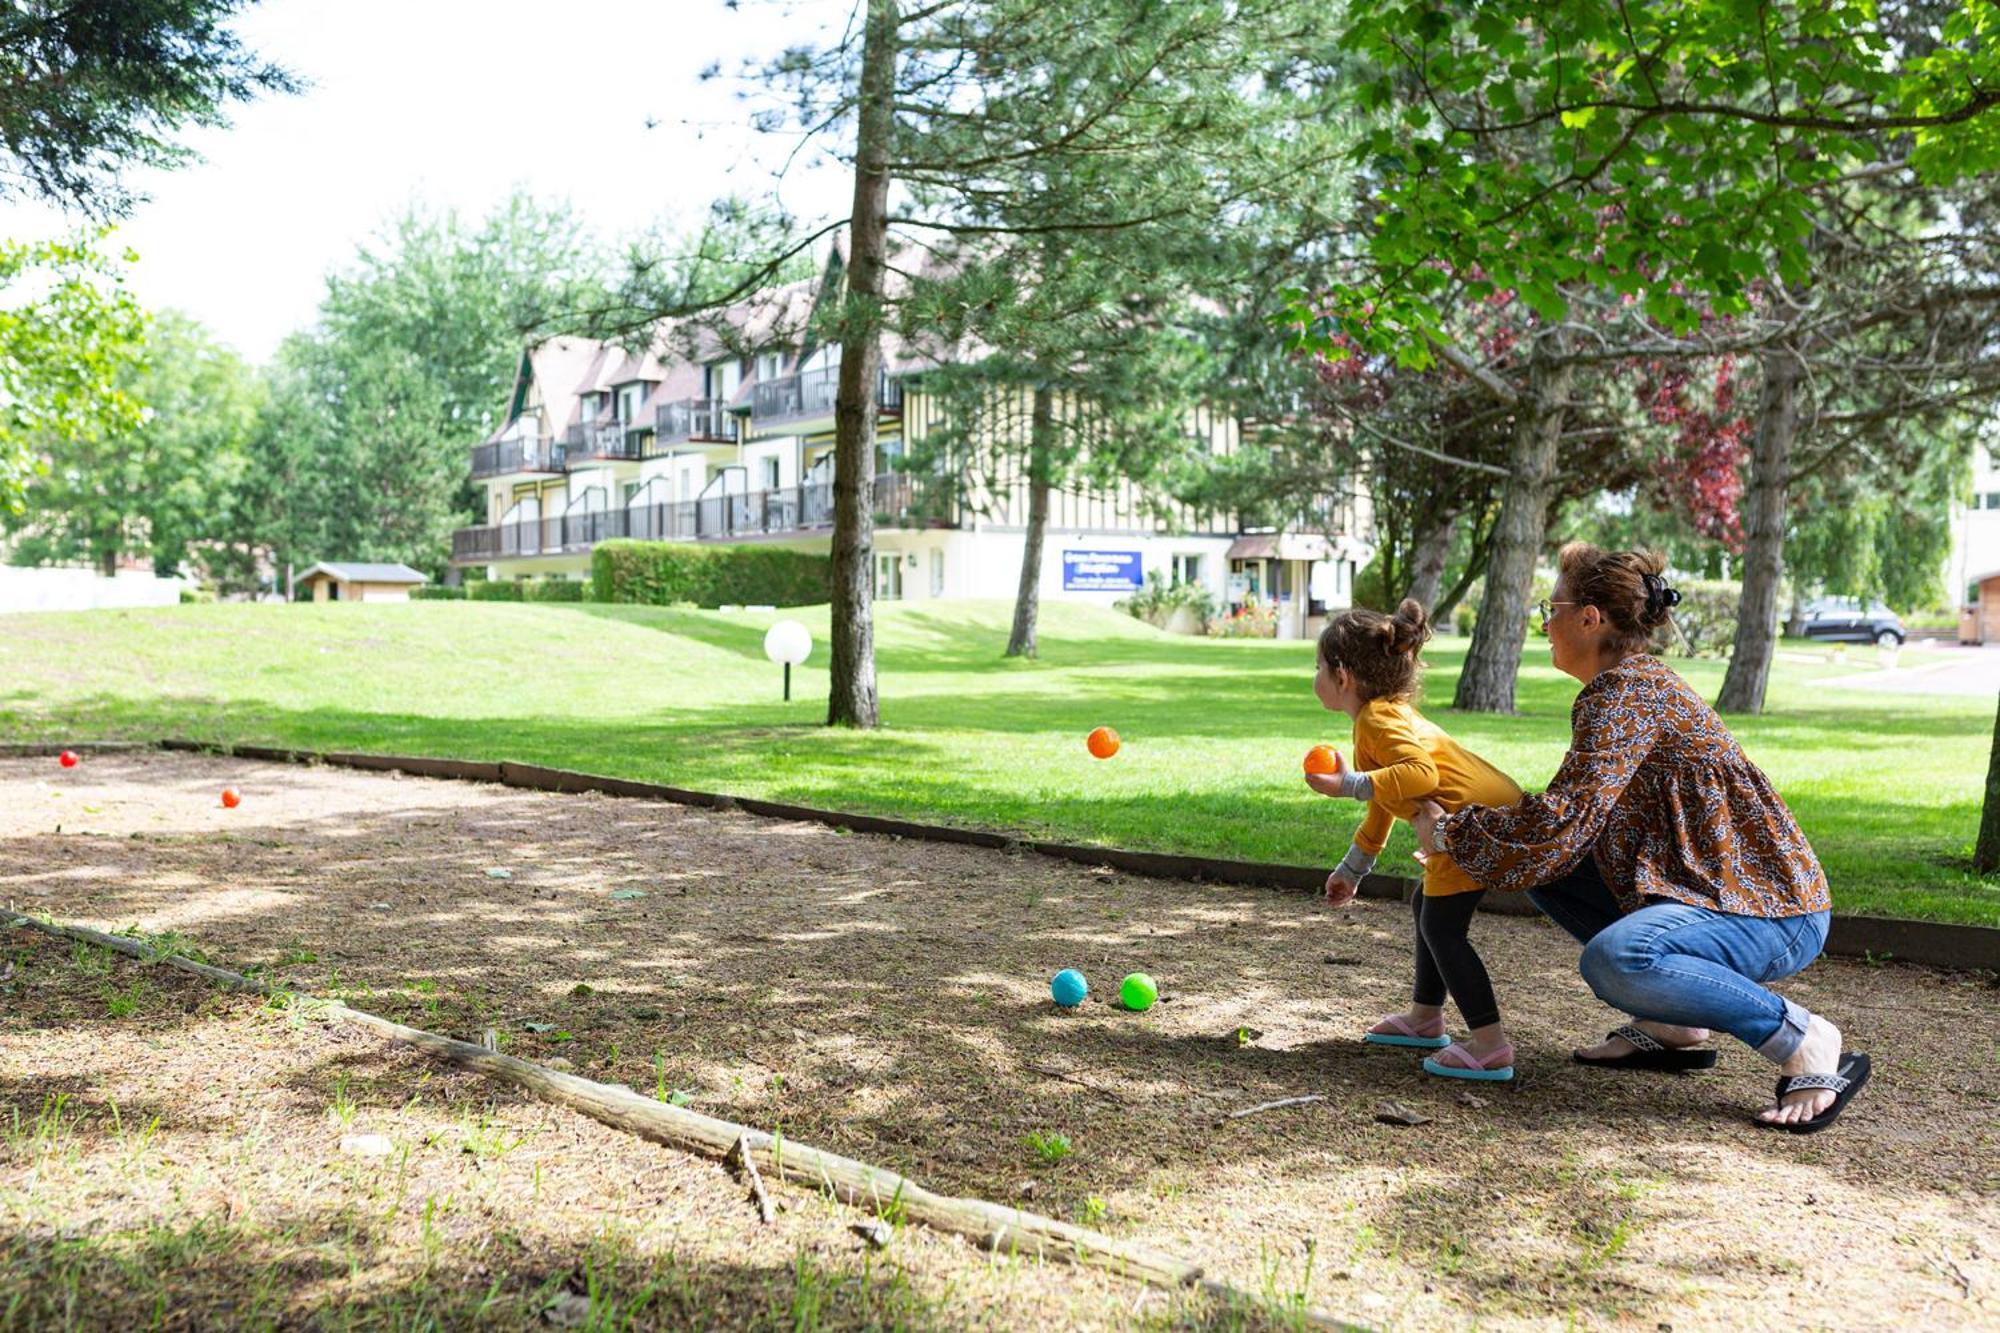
[{"x": 888, "y": 1000}]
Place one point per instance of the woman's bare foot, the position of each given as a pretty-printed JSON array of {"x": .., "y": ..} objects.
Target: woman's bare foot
[
  {"x": 1485, "y": 1041},
  {"x": 1819, "y": 1053},
  {"x": 1667, "y": 1034}
]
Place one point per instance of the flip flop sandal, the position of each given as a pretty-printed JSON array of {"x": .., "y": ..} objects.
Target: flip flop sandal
[
  {"x": 1649, "y": 1053},
  {"x": 1854, "y": 1070},
  {"x": 1405, "y": 1034},
  {"x": 1454, "y": 1061}
]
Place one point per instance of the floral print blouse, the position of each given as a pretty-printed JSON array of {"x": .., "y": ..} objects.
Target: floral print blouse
[{"x": 1658, "y": 790}]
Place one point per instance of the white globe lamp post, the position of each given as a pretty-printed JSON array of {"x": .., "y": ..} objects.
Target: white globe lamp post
[{"x": 787, "y": 643}]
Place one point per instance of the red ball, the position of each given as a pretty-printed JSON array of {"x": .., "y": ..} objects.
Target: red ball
[
  {"x": 1102, "y": 742},
  {"x": 230, "y": 800},
  {"x": 67, "y": 759}
]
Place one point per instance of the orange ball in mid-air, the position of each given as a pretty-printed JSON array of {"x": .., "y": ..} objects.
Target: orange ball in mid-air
[
  {"x": 1103, "y": 742},
  {"x": 1322, "y": 759},
  {"x": 230, "y": 800}
]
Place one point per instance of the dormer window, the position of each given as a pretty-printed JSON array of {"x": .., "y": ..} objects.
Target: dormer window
[{"x": 770, "y": 365}]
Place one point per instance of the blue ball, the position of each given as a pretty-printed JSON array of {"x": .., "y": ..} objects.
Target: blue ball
[{"x": 1069, "y": 988}]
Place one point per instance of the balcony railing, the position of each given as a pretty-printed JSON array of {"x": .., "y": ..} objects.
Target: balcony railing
[
  {"x": 504, "y": 456},
  {"x": 899, "y": 500},
  {"x": 810, "y": 396},
  {"x": 694, "y": 419},
  {"x": 615, "y": 441}
]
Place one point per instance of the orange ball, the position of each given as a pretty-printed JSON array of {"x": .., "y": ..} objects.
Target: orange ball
[
  {"x": 230, "y": 800},
  {"x": 1103, "y": 742},
  {"x": 1322, "y": 759}
]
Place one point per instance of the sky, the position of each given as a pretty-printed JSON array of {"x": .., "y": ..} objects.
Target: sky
[{"x": 454, "y": 103}]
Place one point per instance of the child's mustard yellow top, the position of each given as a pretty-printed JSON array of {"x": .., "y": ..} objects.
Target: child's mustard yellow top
[{"x": 1410, "y": 759}]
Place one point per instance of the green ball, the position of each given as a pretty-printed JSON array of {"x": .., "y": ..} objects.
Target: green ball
[{"x": 1137, "y": 992}]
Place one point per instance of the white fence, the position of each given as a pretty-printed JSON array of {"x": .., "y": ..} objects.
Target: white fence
[{"x": 84, "y": 590}]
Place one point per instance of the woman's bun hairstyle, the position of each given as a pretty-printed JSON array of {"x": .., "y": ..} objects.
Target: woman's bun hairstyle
[{"x": 1628, "y": 587}]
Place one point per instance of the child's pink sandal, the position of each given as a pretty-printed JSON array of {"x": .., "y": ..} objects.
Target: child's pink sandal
[
  {"x": 1397, "y": 1030},
  {"x": 1454, "y": 1061}
]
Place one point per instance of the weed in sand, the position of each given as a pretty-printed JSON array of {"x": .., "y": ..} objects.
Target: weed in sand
[
  {"x": 341, "y": 1108},
  {"x": 125, "y": 1003},
  {"x": 90, "y": 959},
  {"x": 1049, "y": 1146}
]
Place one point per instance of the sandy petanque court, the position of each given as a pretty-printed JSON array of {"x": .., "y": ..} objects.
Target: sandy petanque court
[{"x": 175, "y": 1151}]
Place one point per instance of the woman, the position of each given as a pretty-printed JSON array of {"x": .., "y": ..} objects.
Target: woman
[{"x": 1697, "y": 886}]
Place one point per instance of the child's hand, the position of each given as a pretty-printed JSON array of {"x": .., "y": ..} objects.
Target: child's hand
[
  {"x": 1340, "y": 889},
  {"x": 1330, "y": 784},
  {"x": 1327, "y": 784}
]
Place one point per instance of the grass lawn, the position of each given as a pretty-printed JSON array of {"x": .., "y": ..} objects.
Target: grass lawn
[{"x": 1887, "y": 788}]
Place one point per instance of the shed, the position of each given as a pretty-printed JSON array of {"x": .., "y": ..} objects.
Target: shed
[
  {"x": 347, "y": 582},
  {"x": 1980, "y": 622}
]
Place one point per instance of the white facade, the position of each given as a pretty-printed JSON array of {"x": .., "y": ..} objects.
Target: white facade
[
  {"x": 59, "y": 589},
  {"x": 604, "y": 443},
  {"x": 1975, "y": 547}
]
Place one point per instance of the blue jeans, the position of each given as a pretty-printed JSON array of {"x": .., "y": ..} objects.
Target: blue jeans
[{"x": 1689, "y": 966}]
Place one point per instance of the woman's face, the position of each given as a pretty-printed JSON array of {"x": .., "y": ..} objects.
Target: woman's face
[{"x": 1574, "y": 633}]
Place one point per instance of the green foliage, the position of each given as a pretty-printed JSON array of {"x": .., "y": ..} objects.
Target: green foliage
[
  {"x": 164, "y": 483},
  {"x": 89, "y": 90},
  {"x": 1878, "y": 536},
  {"x": 70, "y": 336},
  {"x": 1665, "y": 150},
  {"x": 554, "y": 590},
  {"x": 1705, "y": 621},
  {"x": 668, "y": 573},
  {"x": 1158, "y": 600},
  {"x": 363, "y": 450},
  {"x": 494, "y": 590},
  {"x": 438, "y": 592}
]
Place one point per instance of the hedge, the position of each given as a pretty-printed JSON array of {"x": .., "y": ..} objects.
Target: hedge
[
  {"x": 554, "y": 590},
  {"x": 494, "y": 590},
  {"x": 663, "y": 573},
  {"x": 1706, "y": 618},
  {"x": 437, "y": 592}
]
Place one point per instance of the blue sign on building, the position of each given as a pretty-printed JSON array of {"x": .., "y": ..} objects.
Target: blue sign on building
[{"x": 1102, "y": 571}]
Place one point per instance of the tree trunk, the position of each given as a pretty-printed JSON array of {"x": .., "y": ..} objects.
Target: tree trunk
[
  {"x": 1428, "y": 560},
  {"x": 1986, "y": 855},
  {"x": 1764, "y": 544},
  {"x": 851, "y": 697},
  {"x": 107, "y": 559},
  {"x": 1475, "y": 565},
  {"x": 1028, "y": 597},
  {"x": 1487, "y": 683}
]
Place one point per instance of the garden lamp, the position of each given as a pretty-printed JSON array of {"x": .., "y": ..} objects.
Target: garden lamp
[{"x": 787, "y": 643}]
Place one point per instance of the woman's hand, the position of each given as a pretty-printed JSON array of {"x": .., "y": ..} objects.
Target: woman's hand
[
  {"x": 1424, "y": 824},
  {"x": 1340, "y": 889}
]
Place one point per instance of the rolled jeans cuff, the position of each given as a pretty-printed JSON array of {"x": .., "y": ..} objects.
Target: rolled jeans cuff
[{"x": 1784, "y": 1043}]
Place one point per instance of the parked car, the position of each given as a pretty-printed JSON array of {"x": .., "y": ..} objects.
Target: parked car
[{"x": 1849, "y": 620}]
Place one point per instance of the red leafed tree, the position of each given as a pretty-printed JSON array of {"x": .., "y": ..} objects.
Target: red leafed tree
[{"x": 1701, "y": 474}]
